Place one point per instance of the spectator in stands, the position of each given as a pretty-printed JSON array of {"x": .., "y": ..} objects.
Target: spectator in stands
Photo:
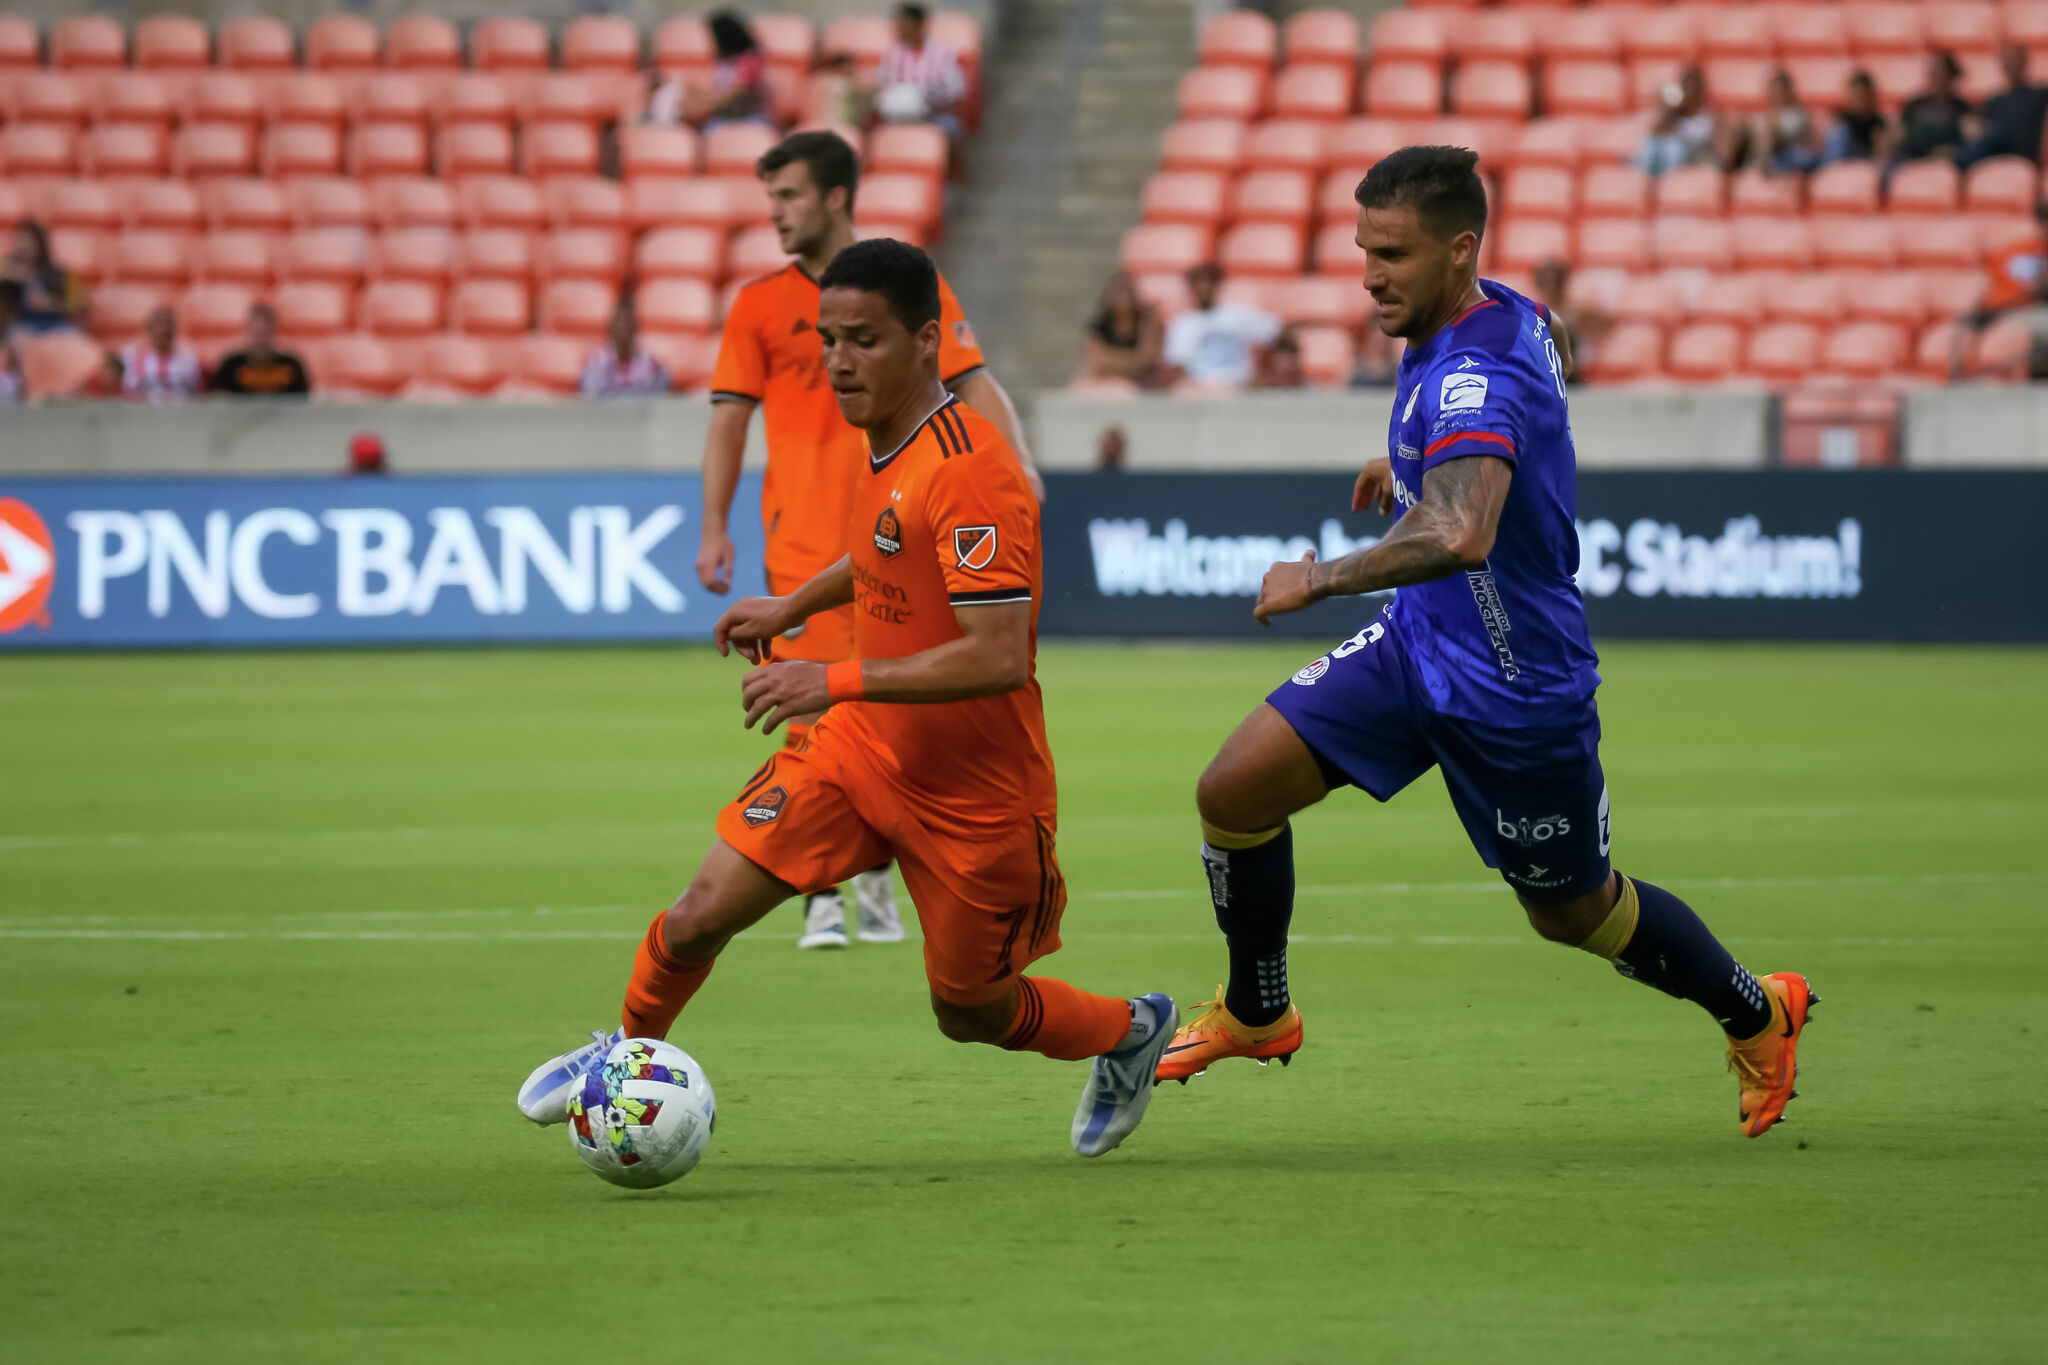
[
  {"x": 1783, "y": 139},
  {"x": 13, "y": 388},
  {"x": 259, "y": 368},
  {"x": 1932, "y": 123},
  {"x": 1280, "y": 364},
  {"x": 1583, "y": 325},
  {"x": 738, "y": 90},
  {"x": 1377, "y": 360},
  {"x": 2012, "y": 118},
  {"x": 919, "y": 79},
  {"x": 1124, "y": 338},
  {"x": 1216, "y": 343},
  {"x": 2018, "y": 287},
  {"x": 1111, "y": 447},
  {"x": 158, "y": 369},
  {"x": 52, "y": 300},
  {"x": 1687, "y": 132},
  {"x": 621, "y": 368},
  {"x": 838, "y": 94},
  {"x": 1861, "y": 131}
]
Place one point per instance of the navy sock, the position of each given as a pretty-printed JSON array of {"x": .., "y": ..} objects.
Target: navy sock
[
  {"x": 1673, "y": 951},
  {"x": 1253, "y": 891}
]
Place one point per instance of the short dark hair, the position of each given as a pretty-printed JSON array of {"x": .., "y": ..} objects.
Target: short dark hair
[
  {"x": 1442, "y": 183},
  {"x": 831, "y": 162},
  {"x": 901, "y": 273},
  {"x": 1861, "y": 78},
  {"x": 917, "y": 13}
]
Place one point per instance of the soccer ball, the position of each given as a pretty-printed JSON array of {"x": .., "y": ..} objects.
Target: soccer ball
[{"x": 642, "y": 1115}]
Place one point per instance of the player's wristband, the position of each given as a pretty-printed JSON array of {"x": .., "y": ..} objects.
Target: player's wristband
[{"x": 843, "y": 680}]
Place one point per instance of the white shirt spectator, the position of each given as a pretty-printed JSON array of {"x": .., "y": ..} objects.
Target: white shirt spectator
[
  {"x": 605, "y": 377},
  {"x": 933, "y": 69},
  {"x": 1215, "y": 345},
  {"x": 151, "y": 376}
]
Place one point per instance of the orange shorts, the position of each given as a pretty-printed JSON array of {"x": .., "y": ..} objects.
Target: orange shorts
[
  {"x": 813, "y": 817},
  {"x": 824, "y": 639}
]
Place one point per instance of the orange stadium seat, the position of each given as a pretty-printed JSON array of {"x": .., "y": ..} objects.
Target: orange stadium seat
[
  {"x": 1232, "y": 92},
  {"x": 1321, "y": 37},
  {"x": 1553, "y": 141},
  {"x": 551, "y": 149},
  {"x": 864, "y": 37},
  {"x": 309, "y": 307},
  {"x": 1771, "y": 243},
  {"x": 675, "y": 306},
  {"x": 163, "y": 204},
  {"x": 1846, "y": 187},
  {"x": 753, "y": 253},
  {"x": 158, "y": 258},
  {"x": 1538, "y": 192},
  {"x": 2026, "y": 23},
  {"x": 916, "y": 148},
  {"x": 257, "y": 42},
  {"x": 13, "y": 205},
  {"x": 131, "y": 97},
  {"x": 87, "y": 42},
  {"x": 1926, "y": 187},
  {"x": 1525, "y": 243},
  {"x": 354, "y": 362},
  {"x": 1962, "y": 26},
  {"x": 1950, "y": 291},
  {"x": 1357, "y": 143},
  {"x": 1612, "y": 140},
  {"x": 1690, "y": 191},
  {"x": 1853, "y": 243},
  {"x": 1164, "y": 248},
  {"x": 455, "y": 367},
  {"x": 1337, "y": 199},
  {"x": 1936, "y": 241},
  {"x": 1238, "y": 38},
  {"x": 466, "y": 149},
  {"x": 1326, "y": 355},
  {"x": 746, "y": 200},
  {"x": 1202, "y": 145},
  {"x": 2003, "y": 352},
  {"x": 419, "y": 201},
  {"x": 471, "y": 97},
  {"x": 1614, "y": 192},
  {"x": 1806, "y": 297},
  {"x": 1668, "y": 33},
  {"x": 58, "y": 364},
  {"x": 1284, "y": 144},
  {"x": 45, "y": 97},
  {"x": 650, "y": 149},
  {"x": 1897, "y": 297},
  {"x": 81, "y": 250},
  {"x": 1784, "y": 352},
  {"x": 1273, "y": 197},
  {"x": 426, "y": 255},
  {"x": 1585, "y": 35},
  {"x": 548, "y": 364},
  {"x": 1312, "y": 92},
  {"x": 1703, "y": 353},
  {"x": 118, "y": 309},
  {"x": 213, "y": 309},
  {"x": 20, "y": 49},
  {"x": 389, "y": 97},
  {"x": 1505, "y": 35},
  {"x": 899, "y": 199},
  {"x": 1752, "y": 193},
  {"x": 658, "y": 201},
  {"x": 1899, "y": 77},
  {"x": 422, "y": 42},
  {"x": 306, "y": 98},
  {"x": 1820, "y": 81},
  {"x": 1649, "y": 77},
  {"x": 582, "y": 254},
  {"x": 1632, "y": 351},
  {"x": 1865, "y": 350},
  {"x": 577, "y": 307},
  {"x": 490, "y": 307},
  {"x": 601, "y": 42},
  {"x": 223, "y": 97},
  {"x": 342, "y": 42},
  {"x": 1692, "y": 244},
  {"x": 734, "y": 148},
  {"x": 507, "y": 42},
  {"x": 1491, "y": 90},
  {"x": 327, "y": 202},
  {"x": 1739, "y": 84},
  {"x": 1402, "y": 89},
  {"x": 1615, "y": 243},
  {"x": 328, "y": 255},
  {"x": 122, "y": 150},
  {"x": 1322, "y": 300},
  {"x": 1337, "y": 253},
  {"x": 1408, "y": 35},
  {"x": 377, "y": 150},
  {"x": 31, "y": 150},
  {"x": 1884, "y": 28},
  {"x": 171, "y": 42},
  {"x": 87, "y": 204},
  {"x": 1261, "y": 249},
  {"x": 1738, "y": 31},
  {"x": 1183, "y": 197},
  {"x": 565, "y": 97},
  {"x": 586, "y": 202},
  {"x": 1810, "y": 30},
  {"x": 1941, "y": 353},
  {"x": 294, "y": 150},
  {"x": 206, "y": 151},
  {"x": 1599, "y": 89},
  {"x": 1736, "y": 300},
  {"x": 400, "y": 308},
  {"x": 683, "y": 46},
  {"x": 789, "y": 41},
  {"x": 495, "y": 254},
  {"x": 695, "y": 253},
  {"x": 2002, "y": 184},
  {"x": 235, "y": 257}
]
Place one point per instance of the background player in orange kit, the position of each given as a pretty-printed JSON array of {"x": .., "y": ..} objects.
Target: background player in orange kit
[
  {"x": 769, "y": 356},
  {"x": 934, "y": 751}
]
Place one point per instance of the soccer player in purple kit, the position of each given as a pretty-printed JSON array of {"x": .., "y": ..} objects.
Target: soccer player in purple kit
[{"x": 1480, "y": 666}]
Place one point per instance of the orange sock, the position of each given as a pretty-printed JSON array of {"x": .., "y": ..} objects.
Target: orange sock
[
  {"x": 660, "y": 987},
  {"x": 1065, "y": 1021}
]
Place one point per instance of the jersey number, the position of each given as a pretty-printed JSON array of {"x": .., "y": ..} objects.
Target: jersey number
[{"x": 1369, "y": 636}]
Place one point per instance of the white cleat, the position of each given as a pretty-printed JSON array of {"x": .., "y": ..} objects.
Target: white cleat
[
  {"x": 874, "y": 902},
  {"x": 824, "y": 921},
  {"x": 1120, "y": 1086},
  {"x": 545, "y": 1096}
]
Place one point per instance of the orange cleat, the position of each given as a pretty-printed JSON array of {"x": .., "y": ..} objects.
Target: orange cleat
[
  {"x": 1215, "y": 1034},
  {"x": 1765, "y": 1064}
]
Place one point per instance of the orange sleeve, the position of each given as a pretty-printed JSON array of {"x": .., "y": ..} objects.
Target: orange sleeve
[
  {"x": 959, "y": 352},
  {"x": 742, "y": 369},
  {"x": 985, "y": 525}
]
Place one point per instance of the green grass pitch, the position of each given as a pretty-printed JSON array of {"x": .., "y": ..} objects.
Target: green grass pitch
[{"x": 279, "y": 936}]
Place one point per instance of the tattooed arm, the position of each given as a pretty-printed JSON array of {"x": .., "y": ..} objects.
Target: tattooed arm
[{"x": 1449, "y": 531}]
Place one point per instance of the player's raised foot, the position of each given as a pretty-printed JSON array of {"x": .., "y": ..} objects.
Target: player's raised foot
[
  {"x": 545, "y": 1096},
  {"x": 1120, "y": 1084},
  {"x": 874, "y": 907},
  {"x": 824, "y": 921},
  {"x": 1767, "y": 1065},
  {"x": 1215, "y": 1033}
]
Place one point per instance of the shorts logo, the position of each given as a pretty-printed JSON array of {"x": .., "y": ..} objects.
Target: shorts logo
[
  {"x": 28, "y": 565},
  {"x": 1462, "y": 392},
  {"x": 889, "y": 533},
  {"x": 1308, "y": 675},
  {"x": 1604, "y": 835},
  {"x": 765, "y": 807},
  {"x": 963, "y": 335},
  {"x": 974, "y": 546},
  {"x": 1527, "y": 833}
]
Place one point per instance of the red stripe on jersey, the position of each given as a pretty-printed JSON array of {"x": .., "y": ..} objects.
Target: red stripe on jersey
[
  {"x": 1493, "y": 436},
  {"x": 1473, "y": 309}
]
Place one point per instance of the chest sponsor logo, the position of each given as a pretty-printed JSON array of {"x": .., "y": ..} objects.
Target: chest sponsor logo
[
  {"x": 1462, "y": 392},
  {"x": 1308, "y": 675},
  {"x": 765, "y": 808},
  {"x": 974, "y": 546},
  {"x": 889, "y": 533},
  {"x": 28, "y": 565}
]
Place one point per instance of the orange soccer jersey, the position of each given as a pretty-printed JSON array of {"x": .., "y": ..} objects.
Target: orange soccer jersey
[{"x": 770, "y": 353}]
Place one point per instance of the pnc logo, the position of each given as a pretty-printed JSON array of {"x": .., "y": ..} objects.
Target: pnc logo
[{"x": 28, "y": 565}]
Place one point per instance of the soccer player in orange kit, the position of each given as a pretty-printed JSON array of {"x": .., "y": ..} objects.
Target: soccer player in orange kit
[
  {"x": 769, "y": 357},
  {"x": 934, "y": 750}
]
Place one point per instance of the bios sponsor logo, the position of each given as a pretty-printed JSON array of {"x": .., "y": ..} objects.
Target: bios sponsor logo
[
  {"x": 1527, "y": 832},
  {"x": 765, "y": 807},
  {"x": 28, "y": 566}
]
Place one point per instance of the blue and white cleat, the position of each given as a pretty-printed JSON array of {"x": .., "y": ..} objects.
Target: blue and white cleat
[
  {"x": 1120, "y": 1086},
  {"x": 545, "y": 1096}
]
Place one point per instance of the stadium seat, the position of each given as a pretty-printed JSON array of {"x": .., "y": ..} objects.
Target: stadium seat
[
  {"x": 1183, "y": 197},
  {"x": 170, "y": 204},
  {"x": 87, "y": 204},
  {"x": 226, "y": 97},
  {"x": 1751, "y": 193},
  {"x": 1881, "y": 28},
  {"x": 422, "y": 42},
  {"x": 1784, "y": 352},
  {"x": 565, "y": 97},
  {"x": 506, "y": 42},
  {"x": 1612, "y": 141},
  {"x": 325, "y": 255},
  {"x": 1811, "y": 297},
  {"x": 1821, "y": 82},
  {"x": 1337, "y": 253},
  {"x": 490, "y": 307},
  {"x": 1703, "y": 353},
  {"x": 466, "y": 149},
  {"x": 650, "y": 149},
  {"x": 155, "y": 258},
  {"x": 2004, "y": 351},
  {"x": 1284, "y": 144},
  {"x": 213, "y": 309},
  {"x": 1632, "y": 351},
  {"x": 789, "y": 41},
  {"x": 1326, "y": 355},
  {"x": 1230, "y": 92},
  {"x": 309, "y": 307},
  {"x": 682, "y": 46},
  {"x": 456, "y": 366},
  {"x": 295, "y": 150},
  {"x": 1998, "y": 232},
  {"x": 695, "y": 253},
  {"x": 306, "y": 98},
  {"x": 501, "y": 201},
  {"x": 207, "y": 151},
  {"x": 1491, "y": 90},
  {"x": 1596, "y": 89},
  {"x": 601, "y": 42},
  {"x": 1737, "y": 300},
  {"x": 399, "y": 308},
  {"x": 1740, "y": 85},
  {"x": 119, "y": 98},
  {"x": 1614, "y": 192},
  {"x": 331, "y": 202},
  {"x": 1337, "y": 200},
  {"x": 171, "y": 42},
  {"x": 1950, "y": 292},
  {"x": 1896, "y": 297},
  {"x": 675, "y": 306},
  {"x": 1738, "y": 31},
  {"x": 426, "y": 255},
  {"x": 2026, "y": 23},
  {"x": 1942, "y": 352},
  {"x": 550, "y": 363},
  {"x": 1273, "y": 197},
  {"x": 1581, "y": 35},
  {"x": 1771, "y": 243},
  {"x": 658, "y": 201},
  {"x": 1320, "y": 300},
  {"x": 1538, "y": 192},
  {"x": 1925, "y": 187},
  {"x": 734, "y": 148},
  {"x": 53, "y": 97},
  {"x": 80, "y": 249},
  {"x": 1668, "y": 34},
  {"x": 586, "y": 202},
  {"x": 118, "y": 309},
  {"x": 2002, "y": 184},
  {"x": 495, "y": 254},
  {"x": 1845, "y": 243},
  {"x": 1613, "y": 243},
  {"x": 342, "y": 42},
  {"x": 236, "y": 257},
  {"x": 753, "y": 253},
  {"x": 1261, "y": 249},
  {"x": 1164, "y": 248},
  {"x": 1865, "y": 350},
  {"x": 1525, "y": 243},
  {"x": 389, "y": 97},
  {"x": 1238, "y": 38},
  {"x": 551, "y": 149},
  {"x": 905, "y": 199},
  {"x": 20, "y": 48},
  {"x": 1936, "y": 241},
  {"x": 1408, "y": 35},
  {"x": 1810, "y": 30},
  {"x": 1320, "y": 37},
  {"x": 577, "y": 307},
  {"x": 58, "y": 364},
  {"x": 87, "y": 42},
  {"x": 1402, "y": 89},
  {"x": 1962, "y": 26},
  {"x": 1356, "y": 144},
  {"x": 1846, "y": 187},
  {"x": 256, "y": 43},
  {"x": 421, "y": 201},
  {"x": 30, "y": 151},
  {"x": 356, "y": 363},
  {"x": 1202, "y": 145},
  {"x": 864, "y": 37},
  {"x": 1689, "y": 192},
  {"x": 1312, "y": 92},
  {"x": 582, "y": 254},
  {"x": 914, "y": 148},
  {"x": 1552, "y": 141},
  {"x": 1899, "y": 77},
  {"x": 377, "y": 150}
]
